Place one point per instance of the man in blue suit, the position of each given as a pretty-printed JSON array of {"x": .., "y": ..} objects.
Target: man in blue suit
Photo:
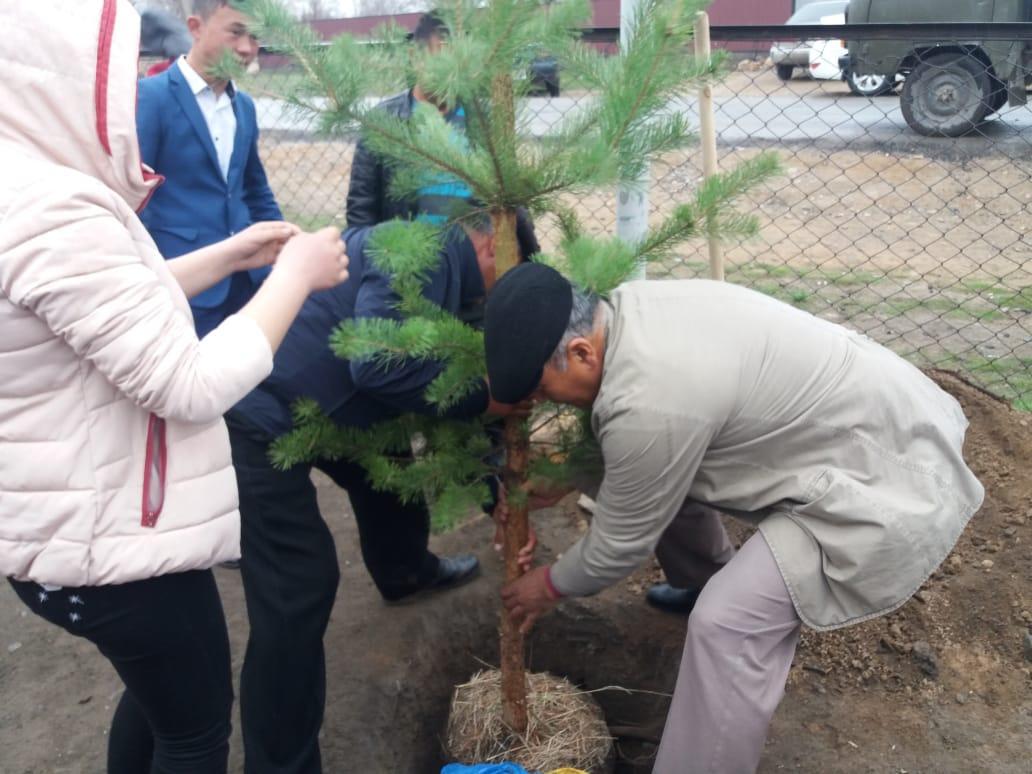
[{"x": 200, "y": 133}]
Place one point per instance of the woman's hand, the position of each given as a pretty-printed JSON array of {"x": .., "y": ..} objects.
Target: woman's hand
[
  {"x": 256, "y": 246},
  {"x": 259, "y": 244},
  {"x": 308, "y": 262},
  {"x": 318, "y": 260}
]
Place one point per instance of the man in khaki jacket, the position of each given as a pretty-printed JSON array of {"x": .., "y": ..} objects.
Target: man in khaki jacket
[{"x": 707, "y": 395}]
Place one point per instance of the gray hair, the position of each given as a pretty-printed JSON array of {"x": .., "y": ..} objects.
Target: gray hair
[{"x": 588, "y": 312}]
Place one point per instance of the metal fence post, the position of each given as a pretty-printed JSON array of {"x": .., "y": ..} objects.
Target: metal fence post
[
  {"x": 632, "y": 196},
  {"x": 708, "y": 134}
]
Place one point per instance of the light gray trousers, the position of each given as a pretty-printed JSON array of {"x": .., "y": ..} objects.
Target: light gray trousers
[{"x": 741, "y": 637}]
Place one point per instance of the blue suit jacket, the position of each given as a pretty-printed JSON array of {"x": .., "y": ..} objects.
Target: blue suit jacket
[{"x": 195, "y": 207}]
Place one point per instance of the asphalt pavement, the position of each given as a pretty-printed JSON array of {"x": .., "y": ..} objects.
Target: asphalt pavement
[{"x": 823, "y": 118}]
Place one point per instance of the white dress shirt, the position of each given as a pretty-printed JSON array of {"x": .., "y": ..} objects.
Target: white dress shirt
[{"x": 217, "y": 111}]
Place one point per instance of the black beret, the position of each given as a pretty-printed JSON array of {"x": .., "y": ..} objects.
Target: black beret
[{"x": 527, "y": 313}]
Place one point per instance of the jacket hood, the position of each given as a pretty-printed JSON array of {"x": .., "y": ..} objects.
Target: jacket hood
[{"x": 69, "y": 88}]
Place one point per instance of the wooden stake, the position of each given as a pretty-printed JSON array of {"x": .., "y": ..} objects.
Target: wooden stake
[{"x": 708, "y": 134}]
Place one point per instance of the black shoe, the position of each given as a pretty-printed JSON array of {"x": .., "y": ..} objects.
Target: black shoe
[
  {"x": 452, "y": 571},
  {"x": 670, "y": 599}
]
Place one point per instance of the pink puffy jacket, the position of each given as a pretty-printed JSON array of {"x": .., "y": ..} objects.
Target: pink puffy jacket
[{"x": 114, "y": 460}]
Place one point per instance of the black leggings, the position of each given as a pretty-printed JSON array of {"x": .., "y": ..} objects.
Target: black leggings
[{"x": 166, "y": 638}]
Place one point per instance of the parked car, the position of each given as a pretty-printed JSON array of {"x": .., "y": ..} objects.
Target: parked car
[
  {"x": 544, "y": 76},
  {"x": 951, "y": 86},
  {"x": 829, "y": 61},
  {"x": 790, "y": 54}
]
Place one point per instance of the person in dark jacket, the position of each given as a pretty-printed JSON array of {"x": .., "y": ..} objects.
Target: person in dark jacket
[
  {"x": 289, "y": 565},
  {"x": 369, "y": 201}
]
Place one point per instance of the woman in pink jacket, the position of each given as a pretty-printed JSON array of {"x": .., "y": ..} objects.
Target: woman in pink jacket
[{"x": 117, "y": 492}]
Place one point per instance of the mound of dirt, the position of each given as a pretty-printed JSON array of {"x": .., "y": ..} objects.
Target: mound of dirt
[{"x": 944, "y": 683}]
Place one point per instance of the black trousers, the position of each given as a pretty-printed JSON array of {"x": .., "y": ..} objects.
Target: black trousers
[
  {"x": 290, "y": 574},
  {"x": 166, "y": 638}
]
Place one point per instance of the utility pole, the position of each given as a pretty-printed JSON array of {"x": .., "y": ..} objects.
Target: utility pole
[{"x": 632, "y": 196}]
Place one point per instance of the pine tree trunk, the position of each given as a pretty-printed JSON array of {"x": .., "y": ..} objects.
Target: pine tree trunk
[{"x": 514, "y": 681}]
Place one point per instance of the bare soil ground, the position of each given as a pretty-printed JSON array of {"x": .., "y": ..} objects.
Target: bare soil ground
[{"x": 942, "y": 685}]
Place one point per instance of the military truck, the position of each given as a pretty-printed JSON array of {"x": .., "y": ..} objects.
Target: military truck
[{"x": 950, "y": 86}]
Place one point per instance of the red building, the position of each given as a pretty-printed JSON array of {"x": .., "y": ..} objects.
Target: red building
[
  {"x": 605, "y": 16},
  {"x": 604, "y": 27},
  {"x": 762, "y": 13},
  {"x": 759, "y": 12}
]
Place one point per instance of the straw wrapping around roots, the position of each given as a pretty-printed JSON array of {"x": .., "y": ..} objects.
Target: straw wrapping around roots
[{"x": 565, "y": 725}]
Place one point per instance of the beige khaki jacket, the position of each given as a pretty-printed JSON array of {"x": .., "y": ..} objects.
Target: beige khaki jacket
[
  {"x": 114, "y": 461},
  {"x": 847, "y": 457}
]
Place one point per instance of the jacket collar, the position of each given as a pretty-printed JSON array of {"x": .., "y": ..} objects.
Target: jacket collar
[
  {"x": 467, "y": 286},
  {"x": 184, "y": 95},
  {"x": 240, "y": 146},
  {"x": 196, "y": 82}
]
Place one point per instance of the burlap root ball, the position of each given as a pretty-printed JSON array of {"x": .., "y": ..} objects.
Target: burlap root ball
[{"x": 565, "y": 725}]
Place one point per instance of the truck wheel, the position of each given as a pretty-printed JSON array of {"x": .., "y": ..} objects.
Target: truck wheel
[
  {"x": 868, "y": 85},
  {"x": 998, "y": 100},
  {"x": 784, "y": 71},
  {"x": 946, "y": 95}
]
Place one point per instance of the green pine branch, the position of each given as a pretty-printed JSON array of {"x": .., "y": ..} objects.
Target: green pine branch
[
  {"x": 450, "y": 469},
  {"x": 461, "y": 376},
  {"x": 408, "y": 248},
  {"x": 602, "y": 264},
  {"x": 337, "y": 73},
  {"x": 390, "y": 342}
]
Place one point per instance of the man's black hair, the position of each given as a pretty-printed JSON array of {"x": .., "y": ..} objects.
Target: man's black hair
[
  {"x": 205, "y": 8},
  {"x": 430, "y": 25},
  {"x": 525, "y": 236}
]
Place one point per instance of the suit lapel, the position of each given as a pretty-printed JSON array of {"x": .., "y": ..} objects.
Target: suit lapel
[
  {"x": 188, "y": 102},
  {"x": 241, "y": 141}
]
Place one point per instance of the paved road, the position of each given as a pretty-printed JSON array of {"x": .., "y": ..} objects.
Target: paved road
[{"x": 825, "y": 119}]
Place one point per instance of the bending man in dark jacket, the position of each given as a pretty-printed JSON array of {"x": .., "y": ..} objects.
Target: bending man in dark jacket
[{"x": 289, "y": 564}]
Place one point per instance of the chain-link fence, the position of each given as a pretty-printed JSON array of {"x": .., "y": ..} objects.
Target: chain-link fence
[{"x": 922, "y": 242}]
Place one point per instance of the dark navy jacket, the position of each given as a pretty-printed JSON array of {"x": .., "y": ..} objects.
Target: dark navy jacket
[
  {"x": 360, "y": 393},
  {"x": 195, "y": 206}
]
